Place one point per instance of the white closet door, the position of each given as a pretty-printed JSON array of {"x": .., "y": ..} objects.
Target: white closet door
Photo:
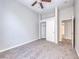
[
  {"x": 43, "y": 30},
  {"x": 50, "y": 29}
]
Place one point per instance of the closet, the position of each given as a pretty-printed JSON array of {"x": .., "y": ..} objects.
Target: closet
[{"x": 48, "y": 27}]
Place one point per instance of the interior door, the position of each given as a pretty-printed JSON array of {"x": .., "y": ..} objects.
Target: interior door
[
  {"x": 43, "y": 30},
  {"x": 50, "y": 29}
]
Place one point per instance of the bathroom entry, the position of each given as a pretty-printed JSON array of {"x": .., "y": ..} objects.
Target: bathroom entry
[{"x": 67, "y": 32}]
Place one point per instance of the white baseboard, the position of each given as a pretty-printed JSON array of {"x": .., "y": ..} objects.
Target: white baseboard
[
  {"x": 77, "y": 52},
  {"x": 17, "y": 46}
]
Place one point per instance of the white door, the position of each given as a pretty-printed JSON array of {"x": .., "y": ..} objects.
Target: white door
[
  {"x": 43, "y": 30},
  {"x": 50, "y": 29}
]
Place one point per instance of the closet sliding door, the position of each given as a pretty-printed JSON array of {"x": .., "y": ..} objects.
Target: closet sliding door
[{"x": 50, "y": 30}]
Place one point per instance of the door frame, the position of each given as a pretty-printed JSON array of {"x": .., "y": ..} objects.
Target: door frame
[
  {"x": 73, "y": 40},
  {"x": 73, "y": 31}
]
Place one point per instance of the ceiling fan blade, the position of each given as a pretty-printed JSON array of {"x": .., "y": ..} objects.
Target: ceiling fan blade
[
  {"x": 34, "y": 3},
  {"x": 41, "y": 5},
  {"x": 46, "y": 0}
]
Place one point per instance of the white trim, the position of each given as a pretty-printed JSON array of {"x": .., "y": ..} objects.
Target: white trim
[
  {"x": 72, "y": 32},
  {"x": 57, "y": 22},
  {"x": 77, "y": 52},
  {"x": 17, "y": 46}
]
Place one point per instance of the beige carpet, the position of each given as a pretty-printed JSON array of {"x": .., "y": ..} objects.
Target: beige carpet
[{"x": 40, "y": 49}]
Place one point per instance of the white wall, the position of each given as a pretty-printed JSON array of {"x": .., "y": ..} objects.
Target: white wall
[
  {"x": 1, "y": 21},
  {"x": 48, "y": 14},
  {"x": 0, "y": 16},
  {"x": 77, "y": 26},
  {"x": 64, "y": 14},
  {"x": 0, "y": 8},
  {"x": 1, "y": 13},
  {"x": 20, "y": 25}
]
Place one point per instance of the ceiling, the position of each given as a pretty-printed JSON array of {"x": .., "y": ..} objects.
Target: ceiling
[{"x": 48, "y": 7}]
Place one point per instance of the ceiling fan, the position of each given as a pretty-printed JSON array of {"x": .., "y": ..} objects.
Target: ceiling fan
[{"x": 40, "y": 3}]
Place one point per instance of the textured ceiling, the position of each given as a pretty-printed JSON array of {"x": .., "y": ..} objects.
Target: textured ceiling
[{"x": 48, "y": 7}]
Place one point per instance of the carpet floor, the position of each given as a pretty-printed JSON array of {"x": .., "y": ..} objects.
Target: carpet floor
[{"x": 40, "y": 49}]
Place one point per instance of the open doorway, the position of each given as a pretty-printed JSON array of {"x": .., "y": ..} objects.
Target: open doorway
[{"x": 67, "y": 32}]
